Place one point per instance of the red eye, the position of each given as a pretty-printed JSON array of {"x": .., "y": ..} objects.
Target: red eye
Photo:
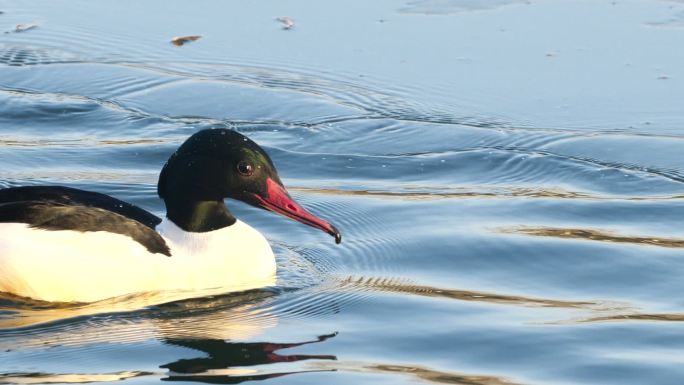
[{"x": 245, "y": 168}]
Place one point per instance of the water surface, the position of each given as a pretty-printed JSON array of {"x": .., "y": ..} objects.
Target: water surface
[{"x": 508, "y": 176}]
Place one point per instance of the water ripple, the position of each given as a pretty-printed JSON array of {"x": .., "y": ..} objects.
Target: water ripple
[
  {"x": 68, "y": 378},
  {"x": 418, "y": 372},
  {"x": 595, "y": 235}
]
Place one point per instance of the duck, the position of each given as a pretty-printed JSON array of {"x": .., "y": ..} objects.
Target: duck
[{"x": 62, "y": 244}]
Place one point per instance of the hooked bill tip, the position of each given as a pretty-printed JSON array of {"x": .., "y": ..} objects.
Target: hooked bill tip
[{"x": 336, "y": 233}]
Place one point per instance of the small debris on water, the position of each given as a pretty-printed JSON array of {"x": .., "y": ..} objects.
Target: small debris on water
[
  {"x": 287, "y": 22},
  {"x": 180, "y": 40},
  {"x": 24, "y": 27}
]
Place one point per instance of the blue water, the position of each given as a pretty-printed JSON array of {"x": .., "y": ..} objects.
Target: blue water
[{"x": 508, "y": 176}]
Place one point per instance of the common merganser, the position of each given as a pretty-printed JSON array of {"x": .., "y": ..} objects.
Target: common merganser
[{"x": 64, "y": 244}]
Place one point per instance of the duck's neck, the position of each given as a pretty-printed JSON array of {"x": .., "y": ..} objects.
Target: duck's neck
[{"x": 198, "y": 216}]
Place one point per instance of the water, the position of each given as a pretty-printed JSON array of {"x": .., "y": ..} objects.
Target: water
[{"x": 508, "y": 177}]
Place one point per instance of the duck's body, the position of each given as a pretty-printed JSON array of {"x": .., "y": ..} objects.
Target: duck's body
[
  {"x": 62, "y": 244},
  {"x": 68, "y": 265}
]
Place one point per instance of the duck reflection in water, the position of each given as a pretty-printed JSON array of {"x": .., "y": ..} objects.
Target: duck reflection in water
[
  {"x": 226, "y": 361},
  {"x": 209, "y": 325}
]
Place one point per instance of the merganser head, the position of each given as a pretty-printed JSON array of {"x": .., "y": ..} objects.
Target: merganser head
[{"x": 215, "y": 164}]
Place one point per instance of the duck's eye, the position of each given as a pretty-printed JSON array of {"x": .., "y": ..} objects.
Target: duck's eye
[{"x": 245, "y": 168}]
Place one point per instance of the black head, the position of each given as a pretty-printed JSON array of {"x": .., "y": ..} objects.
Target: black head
[{"x": 219, "y": 163}]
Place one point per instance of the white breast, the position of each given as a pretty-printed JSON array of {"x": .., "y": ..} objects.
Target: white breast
[{"x": 86, "y": 267}]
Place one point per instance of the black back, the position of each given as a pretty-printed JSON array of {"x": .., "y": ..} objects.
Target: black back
[
  {"x": 63, "y": 208},
  {"x": 74, "y": 197}
]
